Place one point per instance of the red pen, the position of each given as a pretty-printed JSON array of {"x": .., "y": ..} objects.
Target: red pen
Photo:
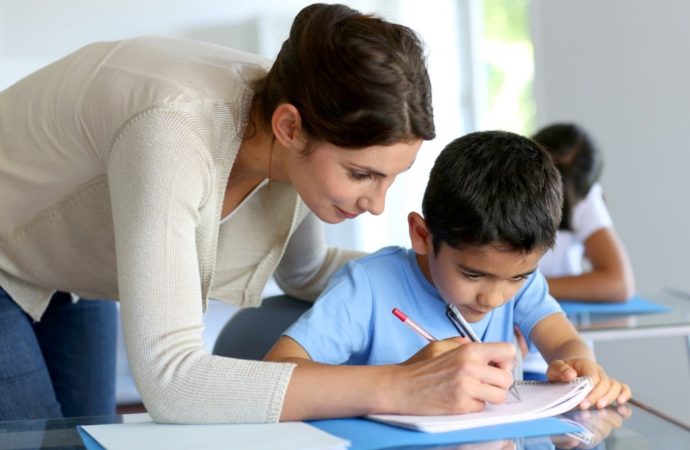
[{"x": 410, "y": 323}]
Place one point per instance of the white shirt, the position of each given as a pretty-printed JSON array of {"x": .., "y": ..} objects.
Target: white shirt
[{"x": 589, "y": 216}]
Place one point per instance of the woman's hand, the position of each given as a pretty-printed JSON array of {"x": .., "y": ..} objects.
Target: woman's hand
[
  {"x": 461, "y": 379},
  {"x": 606, "y": 390},
  {"x": 521, "y": 341},
  {"x": 437, "y": 348}
]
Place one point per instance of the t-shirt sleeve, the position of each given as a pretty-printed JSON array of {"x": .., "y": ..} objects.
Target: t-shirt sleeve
[
  {"x": 337, "y": 327},
  {"x": 591, "y": 214},
  {"x": 532, "y": 304}
]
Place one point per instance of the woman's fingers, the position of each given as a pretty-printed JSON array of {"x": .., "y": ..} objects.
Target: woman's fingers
[
  {"x": 460, "y": 380},
  {"x": 434, "y": 349},
  {"x": 458, "y": 339},
  {"x": 498, "y": 354},
  {"x": 522, "y": 343},
  {"x": 484, "y": 371}
]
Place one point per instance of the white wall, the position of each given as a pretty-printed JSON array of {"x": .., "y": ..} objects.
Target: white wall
[{"x": 621, "y": 69}]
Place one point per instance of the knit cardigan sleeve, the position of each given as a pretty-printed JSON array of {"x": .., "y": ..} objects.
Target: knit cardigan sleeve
[
  {"x": 308, "y": 263},
  {"x": 159, "y": 174}
]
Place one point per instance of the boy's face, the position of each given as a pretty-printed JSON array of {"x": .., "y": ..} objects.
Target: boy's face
[
  {"x": 479, "y": 279},
  {"x": 475, "y": 279}
]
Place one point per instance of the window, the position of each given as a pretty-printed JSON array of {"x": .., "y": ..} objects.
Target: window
[{"x": 507, "y": 56}]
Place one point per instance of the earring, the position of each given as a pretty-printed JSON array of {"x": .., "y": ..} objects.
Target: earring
[{"x": 270, "y": 163}]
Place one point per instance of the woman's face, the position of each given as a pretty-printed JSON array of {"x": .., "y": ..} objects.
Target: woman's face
[{"x": 338, "y": 183}]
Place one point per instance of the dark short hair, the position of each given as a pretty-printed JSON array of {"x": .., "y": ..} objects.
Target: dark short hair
[
  {"x": 357, "y": 80},
  {"x": 577, "y": 158},
  {"x": 493, "y": 188}
]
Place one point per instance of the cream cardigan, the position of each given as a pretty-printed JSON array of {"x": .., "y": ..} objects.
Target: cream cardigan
[{"x": 113, "y": 167}]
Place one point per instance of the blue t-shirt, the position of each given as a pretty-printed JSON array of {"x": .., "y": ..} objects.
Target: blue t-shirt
[{"x": 352, "y": 322}]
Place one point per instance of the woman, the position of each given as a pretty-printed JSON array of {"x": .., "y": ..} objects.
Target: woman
[{"x": 119, "y": 162}]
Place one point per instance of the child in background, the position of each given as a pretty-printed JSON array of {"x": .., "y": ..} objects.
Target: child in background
[
  {"x": 586, "y": 231},
  {"x": 491, "y": 209}
]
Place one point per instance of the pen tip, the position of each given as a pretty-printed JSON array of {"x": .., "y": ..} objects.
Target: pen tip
[{"x": 515, "y": 392}]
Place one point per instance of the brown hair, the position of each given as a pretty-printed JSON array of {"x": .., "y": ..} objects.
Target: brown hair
[
  {"x": 577, "y": 158},
  {"x": 493, "y": 188},
  {"x": 355, "y": 79}
]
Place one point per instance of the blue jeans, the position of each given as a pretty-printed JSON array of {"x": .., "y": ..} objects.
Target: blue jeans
[{"x": 62, "y": 366}]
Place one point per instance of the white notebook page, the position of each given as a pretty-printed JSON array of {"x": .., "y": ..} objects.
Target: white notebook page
[{"x": 539, "y": 399}]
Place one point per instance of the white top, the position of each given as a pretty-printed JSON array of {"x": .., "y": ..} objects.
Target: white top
[
  {"x": 589, "y": 215},
  {"x": 113, "y": 167}
]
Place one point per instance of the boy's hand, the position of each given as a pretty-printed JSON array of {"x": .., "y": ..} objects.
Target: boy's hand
[
  {"x": 437, "y": 348},
  {"x": 606, "y": 390}
]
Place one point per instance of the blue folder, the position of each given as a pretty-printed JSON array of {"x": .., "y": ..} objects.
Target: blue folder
[
  {"x": 89, "y": 442},
  {"x": 368, "y": 435},
  {"x": 635, "y": 305}
]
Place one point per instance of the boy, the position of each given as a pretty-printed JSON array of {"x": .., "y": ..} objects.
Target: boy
[{"x": 491, "y": 209}]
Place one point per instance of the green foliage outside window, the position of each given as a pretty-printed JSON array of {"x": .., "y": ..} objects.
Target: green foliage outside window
[{"x": 508, "y": 58}]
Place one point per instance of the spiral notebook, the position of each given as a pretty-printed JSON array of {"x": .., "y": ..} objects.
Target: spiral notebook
[{"x": 539, "y": 399}]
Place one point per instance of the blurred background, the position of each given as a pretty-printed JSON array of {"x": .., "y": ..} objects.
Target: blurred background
[{"x": 619, "y": 68}]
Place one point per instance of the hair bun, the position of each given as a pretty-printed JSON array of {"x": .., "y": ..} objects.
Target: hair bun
[
  {"x": 319, "y": 17},
  {"x": 356, "y": 79}
]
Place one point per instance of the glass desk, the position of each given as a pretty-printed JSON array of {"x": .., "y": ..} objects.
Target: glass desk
[
  {"x": 650, "y": 352},
  {"x": 600, "y": 327},
  {"x": 631, "y": 429}
]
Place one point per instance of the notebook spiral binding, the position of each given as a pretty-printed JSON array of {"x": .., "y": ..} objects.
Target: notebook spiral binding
[{"x": 538, "y": 382}]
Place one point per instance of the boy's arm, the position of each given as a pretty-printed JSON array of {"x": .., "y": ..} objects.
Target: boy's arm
[
  {"x": 287, "y": 350},
  {"x": 569, "y": 357},
  {"x": 556, "y": 338}
]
